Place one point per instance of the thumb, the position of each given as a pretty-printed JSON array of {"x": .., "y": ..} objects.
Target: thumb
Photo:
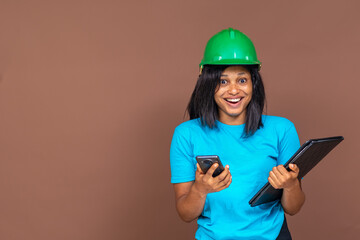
[
  {"x": 199, "y": 169},
  {"x": 294, "y": 168}
]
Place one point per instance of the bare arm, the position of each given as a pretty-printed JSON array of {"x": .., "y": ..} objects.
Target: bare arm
[
  {"x": 190, "y": 196},
  {"x": 293, "y": 197}
]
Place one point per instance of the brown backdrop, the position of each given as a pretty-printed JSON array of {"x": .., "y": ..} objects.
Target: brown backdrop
[{"x": 90, "y": 92}]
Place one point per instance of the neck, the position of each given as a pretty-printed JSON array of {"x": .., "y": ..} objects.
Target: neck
[{"x": 232, "y": 120}]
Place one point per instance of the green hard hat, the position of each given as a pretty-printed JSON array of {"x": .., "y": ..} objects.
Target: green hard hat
[{"x": 230, "y": 47}]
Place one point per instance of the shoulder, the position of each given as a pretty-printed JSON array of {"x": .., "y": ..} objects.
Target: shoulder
[
  {"x": 190, "y": 130},
  {"x": 189, "y": 126},
  {"x": 276, "y": 122}
]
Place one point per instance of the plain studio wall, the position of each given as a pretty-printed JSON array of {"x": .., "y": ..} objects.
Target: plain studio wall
[{"x": 91, "y": 91}]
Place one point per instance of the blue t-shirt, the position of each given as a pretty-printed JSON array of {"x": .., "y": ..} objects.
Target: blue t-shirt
[{"x": 227, "y": 214}]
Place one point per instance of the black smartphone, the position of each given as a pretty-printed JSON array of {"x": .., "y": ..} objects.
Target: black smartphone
[{"x": 207, "y": 161}]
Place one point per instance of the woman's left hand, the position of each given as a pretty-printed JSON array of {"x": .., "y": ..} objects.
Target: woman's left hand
[{"x": 280, "y": 178}]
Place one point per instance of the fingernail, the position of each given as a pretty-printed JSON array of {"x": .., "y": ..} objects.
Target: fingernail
[{"x": 227, "y": 166}]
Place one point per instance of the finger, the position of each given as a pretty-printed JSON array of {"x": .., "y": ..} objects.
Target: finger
[
  {"x": 277, "y": 173},
  {"x": 212, "y": 169},
  {"x": 225, "y": 180},
  {"x": 282, "y": 170},
  {"x": 275, "y": 178},
  {"x": 224, "y": 173},
  {"x": 226, "y": 185},
  {"x": 273, "y": 184}
]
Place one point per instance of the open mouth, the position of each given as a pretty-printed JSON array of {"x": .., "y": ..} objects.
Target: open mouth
[{"x": 233, "y": 100}]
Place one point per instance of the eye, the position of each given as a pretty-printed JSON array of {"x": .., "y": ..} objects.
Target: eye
[
  {"x": 243, "y": 80},
  {"x": 223, "y": 81}
]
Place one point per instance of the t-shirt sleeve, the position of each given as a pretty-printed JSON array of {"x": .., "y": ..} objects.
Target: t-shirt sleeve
[
  {"x": 289, "y": 143},
  {"x": 182, "y": 161}
]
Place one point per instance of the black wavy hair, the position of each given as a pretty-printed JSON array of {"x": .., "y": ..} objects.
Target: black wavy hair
[{"x": 202, "y": 103}]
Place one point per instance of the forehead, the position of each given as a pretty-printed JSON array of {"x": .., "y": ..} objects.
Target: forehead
[{"x": 235, "y": 70}]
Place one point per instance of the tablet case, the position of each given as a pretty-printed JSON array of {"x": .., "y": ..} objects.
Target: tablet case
[{"x": 308, "y": 155}]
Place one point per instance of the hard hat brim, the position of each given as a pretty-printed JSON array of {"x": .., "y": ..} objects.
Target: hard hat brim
[{"x": 230, "y": 62}]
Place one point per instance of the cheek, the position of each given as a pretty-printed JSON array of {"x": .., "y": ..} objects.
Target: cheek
[
  {"x": 217, "y": 99},
  {"x": 249, "y": 90},
  {"x": 218, "y": 93},
  {"x": 249, "y": 93},
  {"x": 249, "y": 97}
]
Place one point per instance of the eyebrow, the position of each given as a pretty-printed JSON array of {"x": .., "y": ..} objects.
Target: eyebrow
[{"x": 241, "y": 73}]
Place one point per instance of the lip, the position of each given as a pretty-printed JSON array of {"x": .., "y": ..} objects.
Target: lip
[{"x": 233, "y": 104}]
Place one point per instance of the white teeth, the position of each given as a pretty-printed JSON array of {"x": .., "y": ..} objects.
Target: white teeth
[{"x": 233, "y": 99}]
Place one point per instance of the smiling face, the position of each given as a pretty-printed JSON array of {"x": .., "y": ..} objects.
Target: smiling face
[{"x": 233, "y": 95}]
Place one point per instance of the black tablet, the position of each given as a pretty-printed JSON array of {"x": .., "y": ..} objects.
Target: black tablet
[{"x": 308, "y": 155}]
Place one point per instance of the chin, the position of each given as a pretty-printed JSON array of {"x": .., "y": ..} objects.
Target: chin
[{"x": 234, "y": 114}]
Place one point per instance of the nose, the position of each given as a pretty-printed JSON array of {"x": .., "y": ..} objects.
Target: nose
[{"x": 233, "y": 89}]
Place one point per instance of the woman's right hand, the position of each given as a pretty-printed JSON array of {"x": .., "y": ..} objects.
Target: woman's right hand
[
  {"x": 205, "y": 183},
  {"x": 190, "y": 196}
]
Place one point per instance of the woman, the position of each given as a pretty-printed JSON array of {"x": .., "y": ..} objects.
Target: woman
[{"x": 226, "y": 120}]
